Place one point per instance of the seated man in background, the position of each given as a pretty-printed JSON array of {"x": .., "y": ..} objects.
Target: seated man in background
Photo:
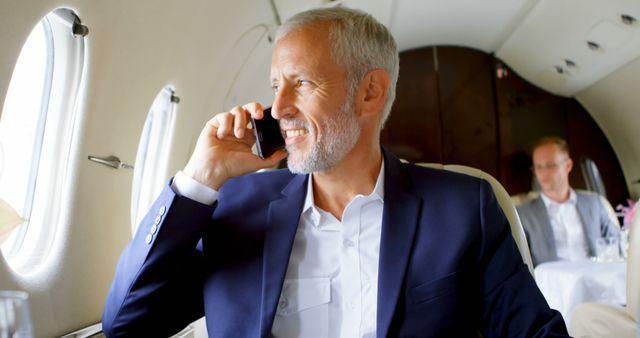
[{"x": 562, "y": 224}]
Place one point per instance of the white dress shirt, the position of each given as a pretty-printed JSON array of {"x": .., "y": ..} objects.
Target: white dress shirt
[
  {"x": 331, "y": 285},
  {"x": 568, "y": 230}
]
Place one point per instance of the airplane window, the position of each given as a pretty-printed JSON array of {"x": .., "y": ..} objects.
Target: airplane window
[
  {"x": 150, "y": 173},
  {"x": 36, "y": 126}
]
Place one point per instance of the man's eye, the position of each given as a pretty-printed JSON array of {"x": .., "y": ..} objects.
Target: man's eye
[
  {"x": 303, "y": 83},
  {"x": 274, "y": 88}
]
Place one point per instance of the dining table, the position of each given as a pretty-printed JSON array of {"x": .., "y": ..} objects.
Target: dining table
[{"x": 565, "y": 284}]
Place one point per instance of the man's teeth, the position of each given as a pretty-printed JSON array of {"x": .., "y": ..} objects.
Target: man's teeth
[{"x": 296, "y": 132}]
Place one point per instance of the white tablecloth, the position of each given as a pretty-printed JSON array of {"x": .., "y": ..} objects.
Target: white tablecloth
[{"x": 566, "y": 284}]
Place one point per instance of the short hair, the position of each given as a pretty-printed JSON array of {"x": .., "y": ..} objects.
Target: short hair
[
  {"x": 359, "y": 43},
  {"x": 561, "y": 143}
]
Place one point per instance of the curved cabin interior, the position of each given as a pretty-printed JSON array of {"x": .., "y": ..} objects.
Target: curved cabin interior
[{"x": 103, "y": 102}]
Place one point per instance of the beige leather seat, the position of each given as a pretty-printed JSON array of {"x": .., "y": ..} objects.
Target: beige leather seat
[
  {"x": 603, "y": 320},
  {"x": 504, "y": 200}
]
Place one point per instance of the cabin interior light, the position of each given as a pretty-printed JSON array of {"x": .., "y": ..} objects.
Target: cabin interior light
[
  {"x": 569, "y": 63},
  {"x": 560, "y": 69},
  {"x": 501, "y": 70},
  {"x": 627, "y": 19}
]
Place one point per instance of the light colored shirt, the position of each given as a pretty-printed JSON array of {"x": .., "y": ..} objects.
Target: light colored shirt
[
  {"x": 331, "y": 285},
  {"x": 568, "y": 230}
]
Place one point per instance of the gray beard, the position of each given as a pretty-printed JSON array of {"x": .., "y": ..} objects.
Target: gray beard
[{"x": 340, "y": 135}]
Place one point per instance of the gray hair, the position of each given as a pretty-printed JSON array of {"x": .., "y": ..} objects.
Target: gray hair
[{"x": 359, "y": 44}]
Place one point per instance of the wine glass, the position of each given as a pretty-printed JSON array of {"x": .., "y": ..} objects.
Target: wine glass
[{"x": 15, "y": 316}]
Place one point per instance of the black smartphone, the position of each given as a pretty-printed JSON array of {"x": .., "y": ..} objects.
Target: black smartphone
[{"x": 268, "y": 135}]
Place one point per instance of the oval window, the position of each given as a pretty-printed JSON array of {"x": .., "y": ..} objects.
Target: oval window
[
  {"x": 36, "y": 126},
  {"x": 152, "y": 159}
]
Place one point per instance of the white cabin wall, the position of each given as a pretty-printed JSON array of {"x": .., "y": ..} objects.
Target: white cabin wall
[
  {"x": 615, "y": 105},
  {"x": 134, "y": 48}
]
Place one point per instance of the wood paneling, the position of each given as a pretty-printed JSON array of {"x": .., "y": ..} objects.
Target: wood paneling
[
  {"x": 467, "y": 108},
  {"x": 452, "y": 108},
  {"x": 525, "y": 113},
  {"x": 413, "y": 129}
]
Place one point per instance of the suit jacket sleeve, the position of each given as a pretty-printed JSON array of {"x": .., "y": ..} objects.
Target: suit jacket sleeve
[
  {"x": 157, "y": 289},
  {"x": 513, "y": 306}
]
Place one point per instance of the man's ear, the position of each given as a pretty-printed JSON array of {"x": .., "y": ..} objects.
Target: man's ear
[
  {"x": 569, "y": 164},
  {"x": 373, "y": 91}
]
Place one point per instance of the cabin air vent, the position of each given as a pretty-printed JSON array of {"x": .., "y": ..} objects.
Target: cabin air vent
[
  {"x": 569, "y": 63},
  {"x": 627, "y": 19},
  {"x": 594, "y": 46}
]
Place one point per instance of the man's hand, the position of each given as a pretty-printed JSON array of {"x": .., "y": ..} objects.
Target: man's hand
[{"x": 224, "y": 146}]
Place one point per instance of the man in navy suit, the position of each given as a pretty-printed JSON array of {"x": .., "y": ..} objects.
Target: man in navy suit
[{"x": 347, "y": 242}]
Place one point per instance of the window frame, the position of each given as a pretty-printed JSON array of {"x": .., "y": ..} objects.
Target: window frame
[
  {"x": 31, "y": 242},
  {"x": 152, "y": 157}
]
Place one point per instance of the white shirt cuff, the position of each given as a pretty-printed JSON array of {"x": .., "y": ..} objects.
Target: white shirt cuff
[{"x": 190, "y": 188}]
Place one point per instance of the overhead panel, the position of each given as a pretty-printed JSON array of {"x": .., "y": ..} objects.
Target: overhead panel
[
  {"x": 482, "y": 25},
  {"x": 566, "y": 46}
]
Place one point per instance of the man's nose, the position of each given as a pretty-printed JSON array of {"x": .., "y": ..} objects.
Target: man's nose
[{"x": 283, "y": 104}]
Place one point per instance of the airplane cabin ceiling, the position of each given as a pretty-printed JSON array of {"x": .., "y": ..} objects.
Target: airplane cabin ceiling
[
  {"x": 557, "y": 30},
  {"x": 534, "y": 37},
  {"x": 482, "y": 25}
]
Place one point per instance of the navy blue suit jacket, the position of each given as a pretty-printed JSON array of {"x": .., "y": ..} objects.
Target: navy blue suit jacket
[{"x": 448, "y": 264}]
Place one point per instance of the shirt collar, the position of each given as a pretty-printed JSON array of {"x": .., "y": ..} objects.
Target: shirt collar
[
  {"x": 309, "y": 202},
  {"x": 571, "y": 201}
]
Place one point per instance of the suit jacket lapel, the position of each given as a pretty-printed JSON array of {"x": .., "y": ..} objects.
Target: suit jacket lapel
[
  {"x": 545, "y": 226},
  {"x": 399, "y": 221},
  {"x": 587, "y": 218},
  {"x": 282, "y": 221}
]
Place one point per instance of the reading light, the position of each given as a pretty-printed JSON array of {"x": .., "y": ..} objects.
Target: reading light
[{"x": 501, "y": 71}]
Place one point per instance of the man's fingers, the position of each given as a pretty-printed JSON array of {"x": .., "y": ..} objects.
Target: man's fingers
[
  {"x": 235, "y": 123},
  {"x": 255, "y": 109},
  {"x": 239, "y": 121},
  {"x": 225, "y": 125},
  {"x": 211, "y": 126}
]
